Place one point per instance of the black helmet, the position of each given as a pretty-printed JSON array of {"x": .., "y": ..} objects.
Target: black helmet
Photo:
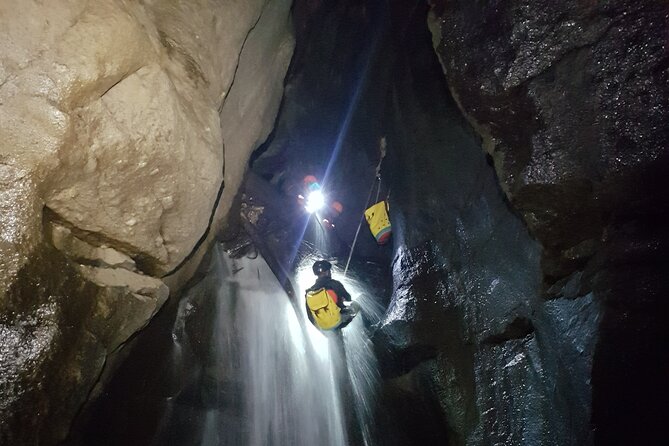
[{"x": 321, "y": 266}]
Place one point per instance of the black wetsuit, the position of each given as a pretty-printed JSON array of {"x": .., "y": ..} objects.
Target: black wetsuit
[{"x": 342, "y": 296}]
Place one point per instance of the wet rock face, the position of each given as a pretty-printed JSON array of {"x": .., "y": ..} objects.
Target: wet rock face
[
  {"x": 571, "y": 100},
  {"x": 61, "y": 322},
  {"x": 114, "y": 118},
  {"x": 527, "y": 290}
]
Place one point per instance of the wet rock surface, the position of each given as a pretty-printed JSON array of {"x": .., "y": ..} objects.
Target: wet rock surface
[
  {"x": 569, "y": 99},
  {"x": 114, "y": 118},
  {"x": 60, "y": 323}
]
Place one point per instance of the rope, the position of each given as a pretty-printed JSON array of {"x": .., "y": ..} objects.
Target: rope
[
  {"x": 355, "y": 239},
  {"x": 377, "y": 177}
]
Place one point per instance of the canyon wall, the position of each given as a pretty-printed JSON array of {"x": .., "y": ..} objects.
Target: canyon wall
[
  {"x": 125, "y": 129},
  {"x": 570, "y": 100}
]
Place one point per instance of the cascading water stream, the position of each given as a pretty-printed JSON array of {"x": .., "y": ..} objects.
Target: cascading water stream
[
  {"x": 272, "y": 378},
  {"x": 361, "y": 362},
  {"x": 356, "y": 353}
]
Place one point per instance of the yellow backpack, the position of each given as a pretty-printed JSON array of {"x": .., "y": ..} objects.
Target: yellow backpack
[{"x": 323, "y": 308}]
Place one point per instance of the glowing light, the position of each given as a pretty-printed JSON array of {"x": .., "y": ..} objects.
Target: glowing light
[
  {"x": 315, "y": 201},
  {"x": 304, "y": 275}
]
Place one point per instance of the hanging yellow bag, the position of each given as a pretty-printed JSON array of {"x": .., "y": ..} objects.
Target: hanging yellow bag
[{"x": 379, "y": 223}]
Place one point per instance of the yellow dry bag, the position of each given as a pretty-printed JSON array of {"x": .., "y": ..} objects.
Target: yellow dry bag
[
  {"x": 324, "y": 310},
  {"x": 379, "y": 223}
]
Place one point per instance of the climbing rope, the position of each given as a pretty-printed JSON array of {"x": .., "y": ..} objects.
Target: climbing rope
[
  {"x": 355, "y": 239},
  {"x": 376, "y": 182}
]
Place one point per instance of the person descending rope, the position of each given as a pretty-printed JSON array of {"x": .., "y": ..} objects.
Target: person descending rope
[{"x": 326, "y": 300}]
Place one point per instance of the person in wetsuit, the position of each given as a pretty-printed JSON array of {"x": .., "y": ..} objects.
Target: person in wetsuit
[{"x": 323, "y": 270}]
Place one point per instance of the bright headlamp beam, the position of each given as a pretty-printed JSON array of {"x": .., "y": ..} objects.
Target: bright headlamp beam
[{"x": 315, "y": 201}]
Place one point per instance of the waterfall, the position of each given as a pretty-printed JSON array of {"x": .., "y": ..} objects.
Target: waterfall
[
  {"x": 270, "y": 378},
  {"x": 361, "y": 362},
  {"x": 356, "y": 353}
]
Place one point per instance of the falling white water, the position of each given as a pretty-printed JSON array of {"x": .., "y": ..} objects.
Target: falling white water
[
  {"x": 361, "y": 360},
  {"x": 266, "y": 376},
  {"x": 358, "y": 353},
  {"x": 289, "y": 393}
]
